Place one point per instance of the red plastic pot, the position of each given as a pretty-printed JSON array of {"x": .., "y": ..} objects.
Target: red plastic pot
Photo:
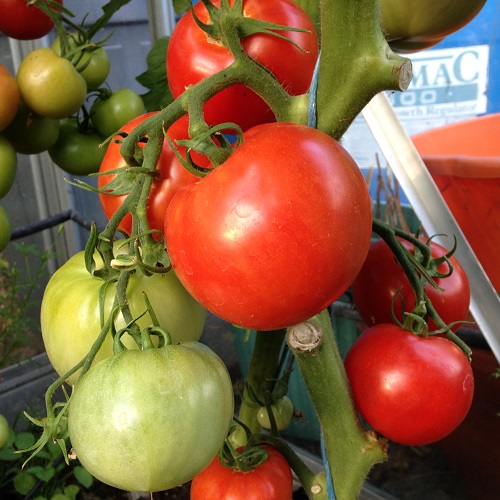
[{"x": 464, "y": 161}]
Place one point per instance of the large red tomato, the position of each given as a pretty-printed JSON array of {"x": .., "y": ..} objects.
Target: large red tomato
[
  {"x": 277, "y": 232},
  {"x": 173, "y": 176},
  {"x": 271, "y": 480},
  {"x": 381, "y": 278},
  {"x": 193, "y": 55},
  {"x": 22, "y": 21},
  {"x": 412, "y": 390}
]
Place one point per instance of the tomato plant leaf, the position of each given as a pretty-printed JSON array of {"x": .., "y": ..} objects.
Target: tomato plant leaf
[
  {"x": 44, "y": 474},
  {"x": 83, "y": 476},
  {"x": 24, "y": 440},
  {"x": 181, "y": 6},
  {"x": 109, "y": 9},
  {"x": 155, "y": 77}
]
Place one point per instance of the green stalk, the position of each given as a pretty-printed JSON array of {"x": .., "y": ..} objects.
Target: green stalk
[
  {"x": 261, "y": 373},
  {"x": 351, "y": 450},
  {"x": 356, "y": 63}
]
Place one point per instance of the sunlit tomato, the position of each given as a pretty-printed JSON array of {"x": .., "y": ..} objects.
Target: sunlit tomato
[
  {"x": 31, "y": 133},
  {"x": 50, "y": 85},
  {"x": 412, "y": 390},
  {"x": 93, "y": 64},
  {"x": 277, "y": 232},
  {"x": 8, "y": 166},
  {"x": 173, "y": 176},
  {"x": 413, "y": 25},
  {"x": 70, "y": 318},
  {"x": 10, "y": 97},
  {"x": 110, "y": 114},
  {"x": 23, "y": 20},
  {"x": 382, "y": 278},
  {"x": 76, "y": 151},
  {"x": 271, "y": 480},
  {"x": 149, "y": 420},
  {"x": 5, "y": 229},
  {"x": 193, "y": 55}
]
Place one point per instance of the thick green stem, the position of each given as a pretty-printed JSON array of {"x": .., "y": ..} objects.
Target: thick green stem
[
  {"x": 351, "y": 450},
  {"x": 261, "y": 373},
  {"x": 356, "y": 63}
]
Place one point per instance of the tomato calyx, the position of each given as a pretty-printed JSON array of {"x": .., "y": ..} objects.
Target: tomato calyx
[
  {"x": 245, "y": 26},
  {"x": 420, "y": 269},
  {"x": 211, "y": 143},
  {"x": 243, "y": 459}
]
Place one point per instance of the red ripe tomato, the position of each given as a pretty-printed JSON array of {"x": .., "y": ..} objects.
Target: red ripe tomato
[
  {"x": 381, "y": 277},
  {"x": 276, "y": 233},
  {"x": 173, "y": 176},
  {"x": 22, "y": 21},
  {"x": 271, "y": 480},
  {"x": 412, "y": 390},
  {"x": 192, "y": 55}
]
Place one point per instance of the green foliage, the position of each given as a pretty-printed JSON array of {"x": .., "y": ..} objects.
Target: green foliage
[
  {"x": 16, "y": 290},
  {"x": 46, "y": 478},
  {"x": 155, "y": 77},
  {"x": 181, "y": 6}
]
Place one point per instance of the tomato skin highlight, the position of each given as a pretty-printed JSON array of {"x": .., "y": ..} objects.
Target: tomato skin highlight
[
  {"x": 272, "y": 480},
  {"x": 23, "y": 22},
  {"x": 412, "y": 390},
  {"x": 149, "y": 420},
  {"x": 381, "y": 277},
  {"x": 173, "y": 176},
  {"x": 192, "y": 55},
  {"x": 276, "y": 233}
]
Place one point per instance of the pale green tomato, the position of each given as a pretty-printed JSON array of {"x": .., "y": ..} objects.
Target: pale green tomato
[
  {"x": 282, "y": 411},
  {"x": 4, "y": 431},
  {"x": 70, "y": 320},
  {"x": 50, "y": 85},
  {"x": 153, "y": 419},
  {"x": 5, "y": 229},
  {"x": 8, "y": 166},
  {"x": 93, "y": 65}
]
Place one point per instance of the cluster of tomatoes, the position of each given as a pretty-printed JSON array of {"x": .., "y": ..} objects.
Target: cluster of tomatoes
[
  {"x": 267, "y": 240},
  {"x": 44, "y": 106}
]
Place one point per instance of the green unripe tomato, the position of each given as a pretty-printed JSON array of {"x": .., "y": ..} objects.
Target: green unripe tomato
[
  {"x": 93, "y": 65},
  {"x": 5, "y": 229},
  {"x": 31, "y": 133},
  {"x": 111, "y": 114},
  {"x": 8, "y": 166},
  {"x": 4, "y": 431},
  {"x": 50, "y": 85},
  {"x": 71, "y": 297},
  {"x": 77, "y": 152},
  {"x": 282, "y": 411},
  {"x": 149, "y": 420}
]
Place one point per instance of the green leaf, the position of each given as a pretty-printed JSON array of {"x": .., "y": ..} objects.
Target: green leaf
[
  {"x": 24, "y": 440},
  {"x": 44, "y": 474},
  {"x": 71, "y": 491},
  {"x": 8, "y": 455},
  {"x": 24, "y": 482},
  {"x": 84, "y": 477},
  {"x": 109, "y": 9},
  {"x": 181, "y": 6},
  {"x": 155, "y": 77}
]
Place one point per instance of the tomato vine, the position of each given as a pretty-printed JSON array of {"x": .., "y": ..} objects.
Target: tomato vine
[{"x": 352, "y": 69}]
